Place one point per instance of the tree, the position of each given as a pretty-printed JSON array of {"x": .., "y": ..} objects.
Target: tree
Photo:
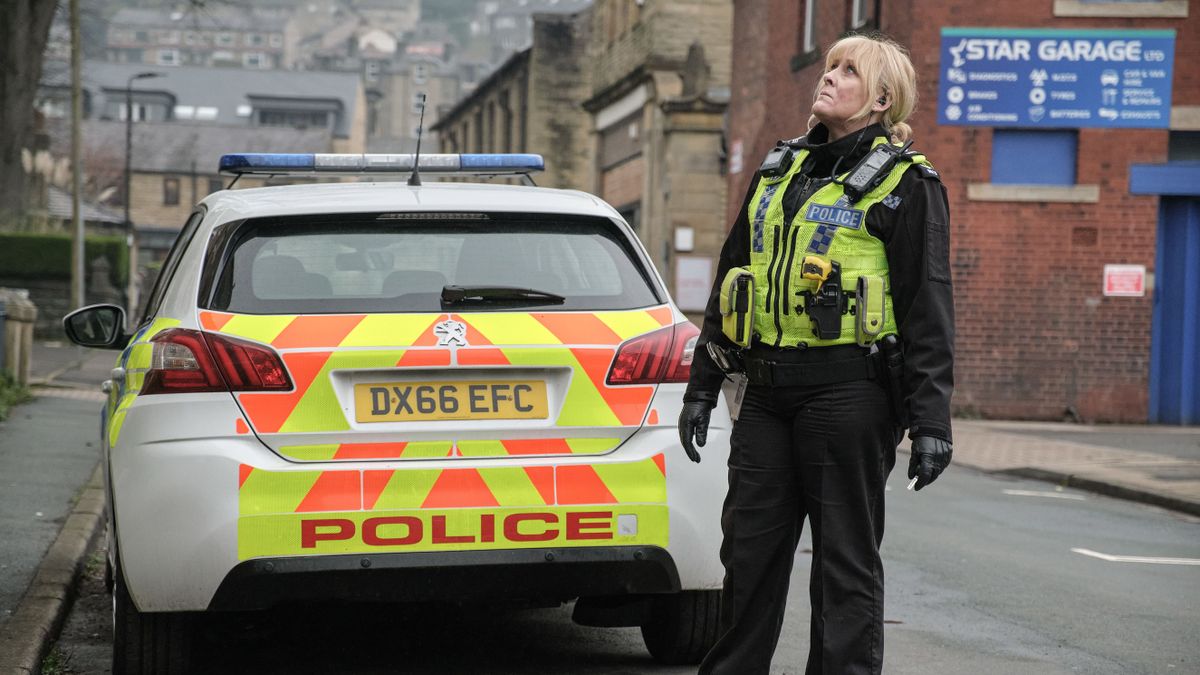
[{"x": 24, "y": 28}]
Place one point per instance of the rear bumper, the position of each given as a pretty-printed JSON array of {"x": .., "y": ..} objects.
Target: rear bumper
[
  {"x": 201, "y": 511},
  {"x": 556, "y": 574}
]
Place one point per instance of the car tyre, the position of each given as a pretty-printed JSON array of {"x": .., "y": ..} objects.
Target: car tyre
[
  {"x": 683, "y": 626},
  {"x": 147, "y": 643}
]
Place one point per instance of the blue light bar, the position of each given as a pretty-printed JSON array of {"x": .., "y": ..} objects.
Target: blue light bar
[{"x": 287, "y": 164}]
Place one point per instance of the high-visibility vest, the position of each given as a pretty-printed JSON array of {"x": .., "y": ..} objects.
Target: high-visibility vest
[{"x": 827, "y": 225}]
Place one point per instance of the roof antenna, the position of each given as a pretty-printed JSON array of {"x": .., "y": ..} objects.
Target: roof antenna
[{"x": 415, "y": 179}]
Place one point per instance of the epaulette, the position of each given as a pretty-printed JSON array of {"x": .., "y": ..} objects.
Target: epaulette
[
  {"x": 928, "y": 171},
  {"x": 794, "y": 142}
]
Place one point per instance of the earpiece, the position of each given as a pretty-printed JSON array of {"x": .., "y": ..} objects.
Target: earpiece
[{"x": 882, "y": 100}]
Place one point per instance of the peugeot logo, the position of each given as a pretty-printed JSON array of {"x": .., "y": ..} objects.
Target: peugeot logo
[{"x": 451, "y": 333}]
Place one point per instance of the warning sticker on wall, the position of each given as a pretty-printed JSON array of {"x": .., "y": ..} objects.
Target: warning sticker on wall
[{"x": 1125, "y": 280}]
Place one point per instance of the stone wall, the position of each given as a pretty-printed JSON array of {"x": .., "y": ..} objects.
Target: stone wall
[
  {"x": 559, "y": 82},
  {"x": 53, "y": 297}
]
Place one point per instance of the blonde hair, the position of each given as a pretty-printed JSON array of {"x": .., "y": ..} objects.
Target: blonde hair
[{"x": 885, "y": 70}]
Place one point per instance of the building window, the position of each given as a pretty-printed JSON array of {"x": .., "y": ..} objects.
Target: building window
[
  {"x": 170, "y": 192},
  {"x": 1183, "y": 146},
  {"x": 225, "y": 39},
  {"x": 631, "y": 213},
  {"x": 254, "y": 39},
  {"x": 372, "y": 70},
  {"x": 420, "y": 73},
  {"x": 254, "y": 60},
  {"x": 417, "y": 101},
  {"x": 1055, "y": 151},
  {"x": 860, "y": 13},
  {"x": 809, "y": 31},
  {"x": 169, "y": 37},
  {"x": 55, "y": 108},
  {"x": 168, "y": 57},
  {"x": 1142, "y": 9},
  {"x": 215, "y": 185},
  {"x": 293, "y": 118},
  {"x": 117, "y": 109},
  {"x": 276, "y": 40}
]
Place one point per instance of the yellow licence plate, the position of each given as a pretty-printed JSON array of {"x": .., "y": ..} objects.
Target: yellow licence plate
[{"x": 476, "y": 400}]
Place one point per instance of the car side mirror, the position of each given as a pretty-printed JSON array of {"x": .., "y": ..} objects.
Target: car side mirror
[{"x": 99, "y": 326}]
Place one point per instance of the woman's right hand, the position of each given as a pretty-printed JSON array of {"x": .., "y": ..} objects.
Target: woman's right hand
[{"x": 693, "y": 423}]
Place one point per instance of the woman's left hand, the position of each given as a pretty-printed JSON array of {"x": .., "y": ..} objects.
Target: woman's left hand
[{"x": 929, "y": 458}]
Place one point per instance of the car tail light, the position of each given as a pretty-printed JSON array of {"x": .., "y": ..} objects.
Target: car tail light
[
  {"x": 662, "y": 356},
  {"x": 248, "y": 366},
  {"x": 189, "y": 361}
]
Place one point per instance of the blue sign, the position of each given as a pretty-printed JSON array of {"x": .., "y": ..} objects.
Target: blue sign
[{"x": 1015, "y": 77}]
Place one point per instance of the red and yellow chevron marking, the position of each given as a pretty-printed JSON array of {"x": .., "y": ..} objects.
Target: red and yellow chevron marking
[
  {"x": 307, "y": 512},
  {"x": 392, "y": 331},
  {"x": 313, "y": 346},
  {"x": 437, "y": 449}
]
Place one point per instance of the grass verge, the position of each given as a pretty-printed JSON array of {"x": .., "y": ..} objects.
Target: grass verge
[{"x": 11, "y": 393}]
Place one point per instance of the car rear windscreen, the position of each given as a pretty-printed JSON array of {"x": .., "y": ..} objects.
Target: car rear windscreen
[{"x": 398, "y": 263}]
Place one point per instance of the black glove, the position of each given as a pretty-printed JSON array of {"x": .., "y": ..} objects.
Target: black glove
[
  {"x": 929, "y": 458},
  {"x": 693, "y": 421}
]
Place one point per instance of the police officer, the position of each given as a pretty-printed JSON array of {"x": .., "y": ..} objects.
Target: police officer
[{"x": 834, "y": 275}]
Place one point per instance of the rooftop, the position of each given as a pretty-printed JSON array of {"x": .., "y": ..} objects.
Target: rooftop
[
  {"x": 204, "y": 17},
  {"x": 227, "y": 89}
]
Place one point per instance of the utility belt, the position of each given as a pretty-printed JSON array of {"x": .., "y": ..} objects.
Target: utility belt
[
  {"x": 820, "y": 366},
  {"x": 815, "y": 366}
]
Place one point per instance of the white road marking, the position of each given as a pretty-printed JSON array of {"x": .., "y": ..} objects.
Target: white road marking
[
  {"x": 1136, "y": 558},
  {"x": 1040, "y": 493}
]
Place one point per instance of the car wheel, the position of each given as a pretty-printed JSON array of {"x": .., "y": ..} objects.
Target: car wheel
[
  {"x": 683, "y": 626},
  {"x": 146, "y": 643}
]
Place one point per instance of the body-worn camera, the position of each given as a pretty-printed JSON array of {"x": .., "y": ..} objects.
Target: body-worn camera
[{"x": 777, "y": 161}]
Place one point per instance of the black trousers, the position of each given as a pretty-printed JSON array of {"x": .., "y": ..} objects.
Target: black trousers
[{"x": 821, "y": 453}]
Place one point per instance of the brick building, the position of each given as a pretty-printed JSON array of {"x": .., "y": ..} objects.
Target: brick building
[{"x": 1037, "y": 336}]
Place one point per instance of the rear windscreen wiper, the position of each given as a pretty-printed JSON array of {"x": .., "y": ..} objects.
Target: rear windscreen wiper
[{"x": 454, "y": 295}]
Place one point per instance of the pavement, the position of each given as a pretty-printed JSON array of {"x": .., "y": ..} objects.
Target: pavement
[
  {"x": 49, "y": 452},
  {"x": 51, "y": 498},
  {"x": 1152, "y": 464}
]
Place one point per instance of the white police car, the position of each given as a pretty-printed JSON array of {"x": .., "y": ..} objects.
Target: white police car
[{"x": 381, "y": 391}]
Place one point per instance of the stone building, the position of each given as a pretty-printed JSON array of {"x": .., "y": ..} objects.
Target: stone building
[
  {"x": 174, "y": 165},
  {"x": 659, "y": 90},
  {"x": 217, "y": 36},
  {"x": 624, "y": 100},
  {"x": 186, "y": 119},
  {"x": 531, "y": 103},
  {"x": 394, "y": 97},
  {"x": 1038, "y": 336}
]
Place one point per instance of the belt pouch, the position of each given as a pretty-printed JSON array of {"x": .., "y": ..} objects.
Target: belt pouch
[
  {"x": 737, "y": 303},
  {"x": 869, "y": 302}
]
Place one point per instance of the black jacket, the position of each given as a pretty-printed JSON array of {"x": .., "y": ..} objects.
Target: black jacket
[{"x": 916, "y": 235}]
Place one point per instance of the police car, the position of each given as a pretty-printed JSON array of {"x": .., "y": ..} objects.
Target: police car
[{"x": 376, "y": 391}]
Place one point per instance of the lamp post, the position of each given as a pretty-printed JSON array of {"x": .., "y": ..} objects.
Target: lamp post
[{"x": 131, "y": 292}]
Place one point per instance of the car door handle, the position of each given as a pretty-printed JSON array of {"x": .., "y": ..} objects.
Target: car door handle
[
  {"x": 117, "y": 375},
  {"x": 106, "y": 386}
]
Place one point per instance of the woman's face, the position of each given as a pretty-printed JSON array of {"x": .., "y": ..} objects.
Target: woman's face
[{"x": 842, "y": 94}]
